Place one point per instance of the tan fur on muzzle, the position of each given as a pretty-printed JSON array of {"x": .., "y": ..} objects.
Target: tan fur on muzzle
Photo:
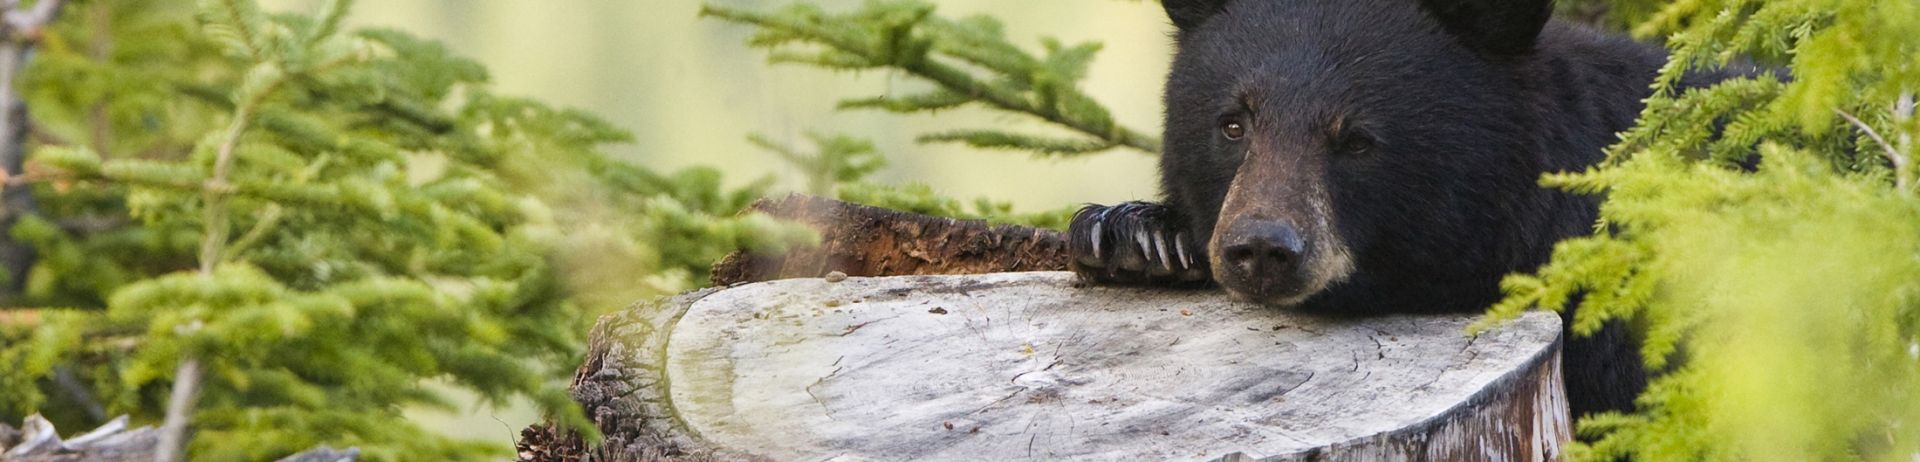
[{"x": 1288, "y": 188}]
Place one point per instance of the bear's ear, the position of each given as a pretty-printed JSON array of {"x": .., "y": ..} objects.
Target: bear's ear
[
  {"x": 1491, "y": 27},
  {"x": 1188, "y": 14}
]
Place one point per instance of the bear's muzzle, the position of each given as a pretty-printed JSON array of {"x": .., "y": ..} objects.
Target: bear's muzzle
[{"x": 1261, "y": 260}]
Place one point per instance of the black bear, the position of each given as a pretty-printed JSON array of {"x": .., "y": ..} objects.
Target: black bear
[{"x": 1371, "y": 156}]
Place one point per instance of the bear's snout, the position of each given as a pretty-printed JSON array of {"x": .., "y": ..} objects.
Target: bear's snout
[{"x": 1261, "y": 260}]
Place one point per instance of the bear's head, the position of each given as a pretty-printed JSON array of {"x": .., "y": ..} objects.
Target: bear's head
[{"x": 1342, "y": 140}]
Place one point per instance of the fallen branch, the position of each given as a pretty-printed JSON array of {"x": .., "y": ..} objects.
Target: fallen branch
[{"x": 860, "y": 240}]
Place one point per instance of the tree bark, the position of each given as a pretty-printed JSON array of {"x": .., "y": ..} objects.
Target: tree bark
[
  {"x": 860, "y": 240},
  {"x": 622, "y": 386},
  {"x": 1027, "y": 366}
]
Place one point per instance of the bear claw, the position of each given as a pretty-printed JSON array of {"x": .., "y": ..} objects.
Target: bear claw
[{"x": 1144, "y": 254}]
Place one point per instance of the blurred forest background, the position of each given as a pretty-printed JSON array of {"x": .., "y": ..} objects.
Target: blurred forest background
[{"x": 691, "y": 91}]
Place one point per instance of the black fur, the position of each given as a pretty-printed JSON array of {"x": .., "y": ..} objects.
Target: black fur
[
  {"x": 1457, "y": 109},
  {"x": 1188, "y": 14}
]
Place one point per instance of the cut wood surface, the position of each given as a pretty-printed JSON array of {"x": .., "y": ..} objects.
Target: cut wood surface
[
  {"x": 860, "y": 240},
  {"x": 1032, "y": 366}
]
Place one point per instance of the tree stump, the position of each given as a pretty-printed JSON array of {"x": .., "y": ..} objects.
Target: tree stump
[{"x": 1029, "y": 366}]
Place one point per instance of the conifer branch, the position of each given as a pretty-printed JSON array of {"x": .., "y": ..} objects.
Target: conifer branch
[
  {"x": 67, "y": 167},
  {"x": 269, "y": 219},
  {"x": 261, "y": 82},
  {"x": 331, "y": 15},
  {"x": 905, "y": 35},
  {"x": 240, "y": 16},
  {"x": 289, "y": 309},
  {"x": 1900, "y": 180},
  {"x": 186, "y": 378},
  {"x": 1742, "y": 215},
  {"x": 995, "y": 139},
  {"x": 265, "y": 79},
  {"x": 216, "y": 192}
]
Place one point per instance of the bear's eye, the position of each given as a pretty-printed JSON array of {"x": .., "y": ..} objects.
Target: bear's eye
[
  {"x": 1355, "y": 144},
  {"x": 1233, "y": 129}
]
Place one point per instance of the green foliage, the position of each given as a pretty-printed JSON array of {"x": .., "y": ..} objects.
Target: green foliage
[
  {"x": 841, "y": 159},
  {"x": 969, "y": 61},
  {"x": 629, "y": 232},
  {"x": 327, "y": 220},
  {"x": 1782, "y": 297}
]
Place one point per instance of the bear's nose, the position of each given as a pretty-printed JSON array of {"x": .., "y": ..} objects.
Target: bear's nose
[{"x": 1263, "y": 257}]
